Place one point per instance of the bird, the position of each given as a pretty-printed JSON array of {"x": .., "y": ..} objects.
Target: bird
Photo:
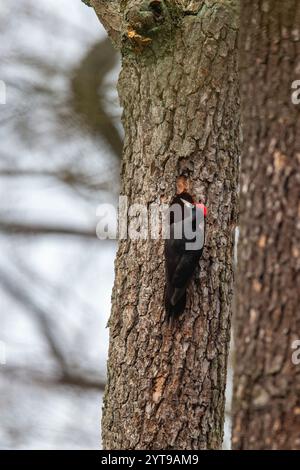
[{"x": 183, "y": 249}]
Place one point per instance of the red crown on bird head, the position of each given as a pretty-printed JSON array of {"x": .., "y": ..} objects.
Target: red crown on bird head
[
  {"x": 198, "y": 205},
  {"x": 201, "y": 206}
]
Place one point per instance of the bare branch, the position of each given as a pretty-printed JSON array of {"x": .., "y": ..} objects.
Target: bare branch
[
  {"x": 13, "y": 288},
  {"x": 73, "y": 179},
  {"x": 11, "y": 227},
  {"x": 69, "y": 374},
  {"x": 89, "y": 94},
  {"x": 71, "y": 378}
]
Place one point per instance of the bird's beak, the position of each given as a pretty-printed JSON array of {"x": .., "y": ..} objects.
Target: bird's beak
[{"x": 186, "y": 203}]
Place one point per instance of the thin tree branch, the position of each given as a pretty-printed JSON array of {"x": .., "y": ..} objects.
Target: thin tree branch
[
  {"x": 19, "y": 228},
  {"x": 190, "y": 6},
  {"x": 13, "y": 288},
  {"x": 66, "y": 176},
  {"x": 71, "y": 378},
  {"x": 68, "y": 375},
  {"x": 89, "y": 95}
]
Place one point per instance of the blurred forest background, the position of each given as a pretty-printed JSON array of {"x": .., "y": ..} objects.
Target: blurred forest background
[
  {"x": 60, "y": 151},
  {"x": 61, "y": 142}
]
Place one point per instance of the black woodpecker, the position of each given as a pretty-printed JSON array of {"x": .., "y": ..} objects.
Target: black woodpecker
[{"x": 183, "y": 249}]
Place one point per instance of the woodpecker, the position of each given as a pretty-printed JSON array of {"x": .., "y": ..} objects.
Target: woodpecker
[{"x": 183, "y": 249}]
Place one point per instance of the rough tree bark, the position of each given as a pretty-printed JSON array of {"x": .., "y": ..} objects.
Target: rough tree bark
[
  {"x": 267, "y": 384},
  {"x": 178, "y": 87}
]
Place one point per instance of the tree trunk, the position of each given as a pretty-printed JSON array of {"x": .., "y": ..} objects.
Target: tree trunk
[
  {"x": 178, "y": 87},
  {"x": 267, "y": 383}
]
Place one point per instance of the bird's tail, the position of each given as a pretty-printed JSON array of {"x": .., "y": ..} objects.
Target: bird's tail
[{"x": 174, "y": 310}]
